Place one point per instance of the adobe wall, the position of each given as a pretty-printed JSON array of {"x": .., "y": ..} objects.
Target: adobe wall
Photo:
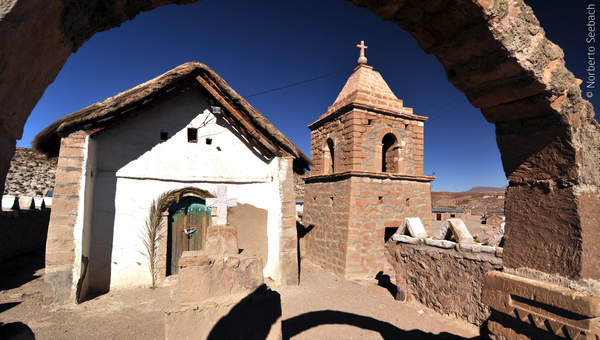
[
  {"x": 449, "y": 281},
  {"x": 22, "y": 232},
  {"x": 348, "y": 217}
]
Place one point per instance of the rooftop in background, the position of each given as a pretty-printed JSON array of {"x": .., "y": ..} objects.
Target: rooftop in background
[{"x": 435, "y": 210}]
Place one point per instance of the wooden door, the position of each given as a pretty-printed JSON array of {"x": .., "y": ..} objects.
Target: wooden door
[{"x": 188, "y": 221}]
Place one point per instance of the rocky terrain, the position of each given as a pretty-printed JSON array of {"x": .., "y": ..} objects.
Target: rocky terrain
[
  {"x": 476, "y": 201},
  {"x": 30, "y": 174}
]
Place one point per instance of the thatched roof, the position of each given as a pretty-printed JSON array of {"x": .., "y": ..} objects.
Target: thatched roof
[{"x": 183, "y": 77}]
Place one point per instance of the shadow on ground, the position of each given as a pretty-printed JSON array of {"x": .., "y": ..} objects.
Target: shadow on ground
[
  {"x": 383, "y": 280},
  {"x": 19, "y": 270},
  {"x": 251, "y": 318},
  {"x": 298, "y": 324},
  {"x": 16, "y": 331}
]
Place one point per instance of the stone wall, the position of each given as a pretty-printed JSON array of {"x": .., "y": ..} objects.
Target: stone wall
[
  {"x": 31, "y": 173},
  {"x": 449, "y": 281},
  {"x": 22, "y": 231}
]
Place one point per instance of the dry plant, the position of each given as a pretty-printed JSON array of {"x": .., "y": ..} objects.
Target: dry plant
[{"x": 152, "y": 233}]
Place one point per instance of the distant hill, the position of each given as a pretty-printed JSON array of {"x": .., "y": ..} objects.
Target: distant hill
[
  {"x": 477, "y": 200},
  {"x": 487, "y": 190}
]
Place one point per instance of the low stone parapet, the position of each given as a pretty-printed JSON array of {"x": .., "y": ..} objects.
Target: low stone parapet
[{"x": 444, "y": 275}]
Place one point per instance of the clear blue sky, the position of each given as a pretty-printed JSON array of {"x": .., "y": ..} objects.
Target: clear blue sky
[{"x": 263, "y": 44}]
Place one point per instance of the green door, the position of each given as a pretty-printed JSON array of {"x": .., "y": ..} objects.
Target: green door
[{"x": 188, "y": 220}]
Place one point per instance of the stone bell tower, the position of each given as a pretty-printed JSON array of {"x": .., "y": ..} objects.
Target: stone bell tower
[{"x": 367, "y": 175}]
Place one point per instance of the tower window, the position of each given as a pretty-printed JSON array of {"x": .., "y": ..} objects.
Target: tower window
[
  {"x": 192, "y": 134},
  {"x": 329, "y": 157},
  {"x": 389, "y": 153},
  {"x": 208, "y": 141}
]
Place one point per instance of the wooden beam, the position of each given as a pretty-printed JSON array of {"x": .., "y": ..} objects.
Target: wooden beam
[{"x": 239, "y": 117}]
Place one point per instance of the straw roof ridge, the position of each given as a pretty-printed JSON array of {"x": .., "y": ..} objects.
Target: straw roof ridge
[{"x": 117, "y": 107}]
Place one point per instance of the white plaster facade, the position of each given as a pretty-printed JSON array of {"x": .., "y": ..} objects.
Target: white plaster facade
[{"x": 127, "y": 166}]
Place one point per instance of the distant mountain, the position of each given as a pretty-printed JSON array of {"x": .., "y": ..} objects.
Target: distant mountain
[{"x": 487, "y": 190}]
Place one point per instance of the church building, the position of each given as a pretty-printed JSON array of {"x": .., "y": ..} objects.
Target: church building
[
  {"x": 183, "y": 152},
  {"x": 367, "y": 175}
]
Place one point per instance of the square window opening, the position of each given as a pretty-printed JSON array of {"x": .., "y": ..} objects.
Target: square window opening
[{"x": 192, "y": 134}]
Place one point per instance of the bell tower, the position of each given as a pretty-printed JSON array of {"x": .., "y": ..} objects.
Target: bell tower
[{"x": 367, "y": 175}]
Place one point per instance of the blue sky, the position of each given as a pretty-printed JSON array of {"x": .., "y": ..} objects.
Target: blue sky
[{"x": 265, "y": 44}]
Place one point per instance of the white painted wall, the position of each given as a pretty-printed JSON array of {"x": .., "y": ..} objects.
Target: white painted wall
[{"x": 132, "y": 167}]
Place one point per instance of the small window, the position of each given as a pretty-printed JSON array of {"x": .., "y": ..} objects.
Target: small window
[
  {"x": 452, "y": 215},
  {"x": 438, "y": 217},
  {"x": 389, "y": 154},
  {"x": 164, "y": 135},
  {"x": 208, "y": 141},
  {"x": 192, "y": 135}
]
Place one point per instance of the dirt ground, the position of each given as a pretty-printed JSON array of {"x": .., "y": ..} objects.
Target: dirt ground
[{"x": 323, "y": 306}]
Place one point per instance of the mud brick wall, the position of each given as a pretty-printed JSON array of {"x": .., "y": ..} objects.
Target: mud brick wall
[
  {"x": 446, "y": 280},
  {"x": 348, "y": 218},
  {"x": 377, "y": 204},
  {"x": 22, "y": 232}
]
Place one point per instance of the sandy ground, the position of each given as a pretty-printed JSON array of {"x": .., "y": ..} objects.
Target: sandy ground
[{"x": 323, "y": 306}]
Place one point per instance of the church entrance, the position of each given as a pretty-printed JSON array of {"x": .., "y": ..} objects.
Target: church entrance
[{"x": 188, "y": 220}]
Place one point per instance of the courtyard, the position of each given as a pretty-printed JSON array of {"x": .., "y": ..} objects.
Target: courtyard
[{"x": 323, "y": 306}]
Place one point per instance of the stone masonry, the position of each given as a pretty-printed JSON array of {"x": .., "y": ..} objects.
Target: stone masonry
[
  {"x": 31, "y": 174},
  {"x": 60, "y": 248},
  {"x": 349, "y": 198}
]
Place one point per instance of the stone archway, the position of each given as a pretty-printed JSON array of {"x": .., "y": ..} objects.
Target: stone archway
[{"x": 494, "y": 51}]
